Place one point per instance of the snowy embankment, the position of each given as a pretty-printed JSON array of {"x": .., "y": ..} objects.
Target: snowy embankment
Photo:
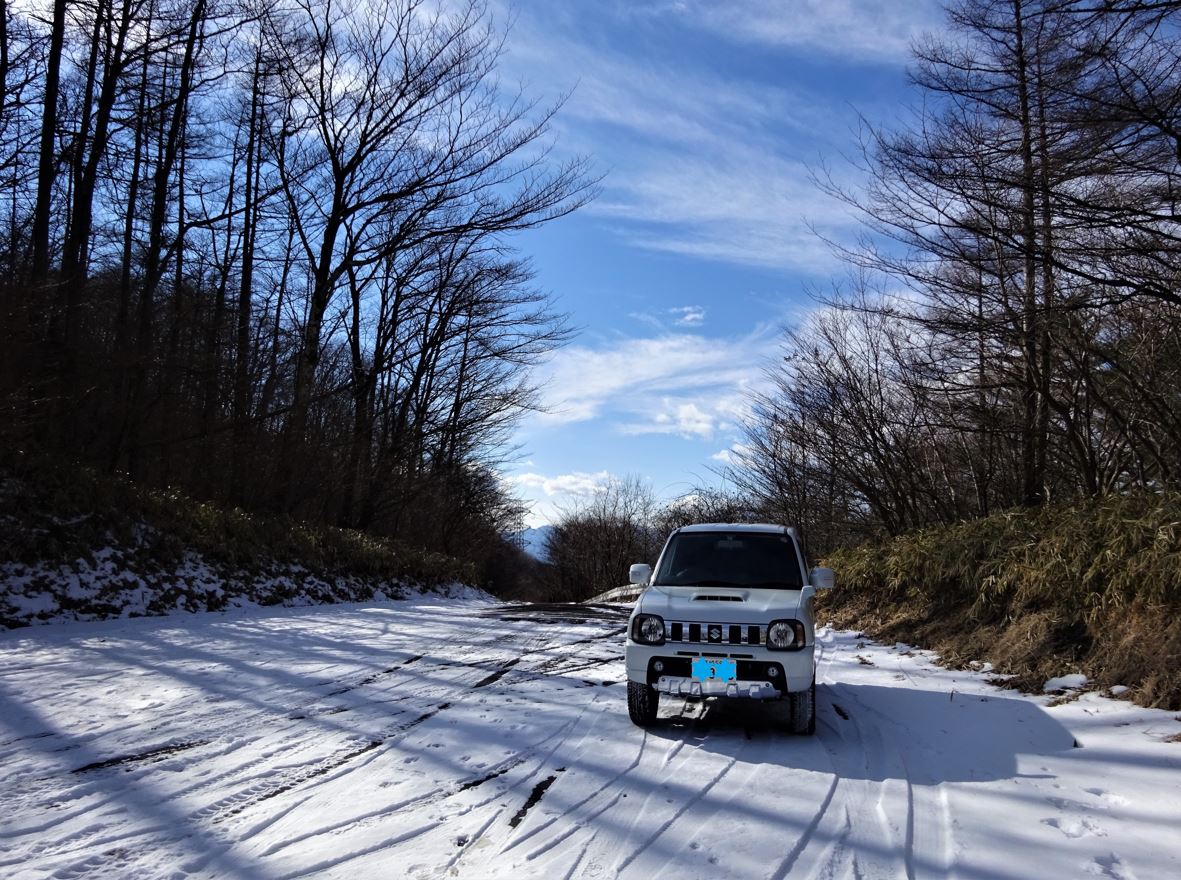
[
  {"x": 109, "y": 583},
  {"x": 127, "y": 580},
  {"x": 80, "y": 546},
  {"x": 468, "y": 739}
]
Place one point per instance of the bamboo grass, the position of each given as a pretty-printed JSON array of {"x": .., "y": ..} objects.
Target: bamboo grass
[{"x": 1091, "y": 585}]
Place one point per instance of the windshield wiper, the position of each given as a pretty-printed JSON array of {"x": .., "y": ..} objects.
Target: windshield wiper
[
  {"x": 713, "y": 584},
  {"x": 782, "y": 585}
]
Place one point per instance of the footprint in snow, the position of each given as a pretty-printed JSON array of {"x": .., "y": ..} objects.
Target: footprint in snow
[
  {"x": 1110, "y": 866},
  {"x": 1107, "y": 797},
  {"x": 1076, "y": 827}
]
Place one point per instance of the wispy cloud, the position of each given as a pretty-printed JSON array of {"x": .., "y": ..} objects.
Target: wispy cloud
[
  {"x": 701, "y": 163},
  {"x": 747, "y": 206},
  {"x": 866, "y": 30},
  {"x": 688, "y": 316},
  {"x": 683, "y": 384}
]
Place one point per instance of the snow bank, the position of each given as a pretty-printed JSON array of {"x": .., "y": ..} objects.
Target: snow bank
[
  {"x": 1065, "y": 683},
  {"x": 121, "y": 580}
]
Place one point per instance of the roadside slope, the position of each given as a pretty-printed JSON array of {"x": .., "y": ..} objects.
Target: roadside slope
[
  {"x": 1092, "y": 586},
  {"x": 75, "y": 545}
]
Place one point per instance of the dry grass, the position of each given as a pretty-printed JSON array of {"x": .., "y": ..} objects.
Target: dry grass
[{"x": 1093, "y": 586}]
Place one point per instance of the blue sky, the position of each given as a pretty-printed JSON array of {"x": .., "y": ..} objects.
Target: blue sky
[{"x": 706, "y": 118}]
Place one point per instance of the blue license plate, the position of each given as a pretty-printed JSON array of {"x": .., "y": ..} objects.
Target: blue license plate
[{"x": 706, "y": 669}]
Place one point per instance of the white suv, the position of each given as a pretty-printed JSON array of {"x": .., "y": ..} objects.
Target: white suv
[{"x": 727, "y": 613}]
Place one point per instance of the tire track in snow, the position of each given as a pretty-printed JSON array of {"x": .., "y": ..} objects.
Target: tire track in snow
[
  {"x": 560, "y": 738},
  {"x": 606, "y": 786},
  {"x": 255, "y": 797},
  {"x": 148, "y": 756},
  {"x": 134, "y": 768},
  {"x": 535, "y": 753},
  {"x": 665, "y": 764},
  {"x": 831, "y": 824},
  {"x": 274, "y": 783},
  {"x": 239, "y": 802},
  {"x": 415, "y": 803},
  {"x": 376, "y": 676},
  {"x": 883, "y": 775},
  {"x": 684, "y": 808},
  {"x": 437, "y": 824},
  {"x": 806, "y": 836},
  {"x": 861, "y": 801}
]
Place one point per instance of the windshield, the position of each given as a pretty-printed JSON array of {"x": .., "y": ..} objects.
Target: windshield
[{"x": 729, "y": 559}]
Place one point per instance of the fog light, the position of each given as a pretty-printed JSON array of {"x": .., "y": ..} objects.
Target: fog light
[
  {"x": 658, "y": 666},
  {"x": 773, "y": 671}
]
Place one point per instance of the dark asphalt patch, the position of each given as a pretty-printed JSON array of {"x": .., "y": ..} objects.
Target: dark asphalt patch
[
  {"x": 536, "y": 795},
  {"x": 556, "y": 613},
  {"x": 151, "y": 755},
  {"x": 497, "y": 675}
]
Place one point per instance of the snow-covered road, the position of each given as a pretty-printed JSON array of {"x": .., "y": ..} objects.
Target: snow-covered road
[{"x": 439, "y": 738}]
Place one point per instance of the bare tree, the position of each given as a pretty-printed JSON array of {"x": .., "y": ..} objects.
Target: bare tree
[
  {"x": 399, "y": 137},
  {"x": 593, "y": 544}
]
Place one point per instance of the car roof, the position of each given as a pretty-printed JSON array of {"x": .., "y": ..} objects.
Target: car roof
[{"x": 765, "y": 528}]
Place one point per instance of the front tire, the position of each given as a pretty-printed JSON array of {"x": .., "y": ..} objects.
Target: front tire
[
  {"x": 642, "y": 702},
  {"x": 803, "y": 711}
]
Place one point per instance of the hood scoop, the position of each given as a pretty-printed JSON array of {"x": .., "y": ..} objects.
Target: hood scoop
[{"x": 705, "y": 597}]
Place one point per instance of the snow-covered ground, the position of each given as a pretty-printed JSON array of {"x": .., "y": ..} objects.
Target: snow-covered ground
[{"x": 446, "y": 738}]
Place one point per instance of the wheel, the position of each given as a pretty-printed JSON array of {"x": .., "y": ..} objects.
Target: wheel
[
  {"x": 803, "y": 711},
  {"x": 642, "y": 702}
]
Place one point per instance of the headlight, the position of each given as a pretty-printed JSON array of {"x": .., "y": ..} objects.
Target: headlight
[
  {"x": 648, "y": 629},
  {"x": 785, "y": 635}
]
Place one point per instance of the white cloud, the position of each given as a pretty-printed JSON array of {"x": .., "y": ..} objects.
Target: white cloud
[
  {"x": 865, "y": 30},
  {"x": 688, "y": 316},
  {"x": 685, "y": 419},
  {"x": 548, "y": 498},
  {"x": 684, "y": 385},
  {"x": 746, "y": 207},
  {"x": 573, "y": 485},
  {"x": 644, "y": 376},
  {"x": 731, "y": 454},
  {"x": 703, "y": 164}
]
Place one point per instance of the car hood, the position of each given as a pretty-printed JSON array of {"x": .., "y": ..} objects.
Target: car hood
[{"x": 709, "y": 604}]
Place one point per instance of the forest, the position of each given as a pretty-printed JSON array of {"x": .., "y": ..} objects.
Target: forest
[{"x": 262, "y": 253}]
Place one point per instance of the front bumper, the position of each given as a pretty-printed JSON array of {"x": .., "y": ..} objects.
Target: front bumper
[
  {"x": 679, "y": 686},
  {"x": 762, "y": 674}
]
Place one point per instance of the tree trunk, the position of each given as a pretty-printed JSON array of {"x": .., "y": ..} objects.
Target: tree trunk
[
  {"x": 250, "y": 212},
  {"x": 154, "y": 264},
  {"x": 1032, "y": 456},
  {"x": 46, "y": 171}
]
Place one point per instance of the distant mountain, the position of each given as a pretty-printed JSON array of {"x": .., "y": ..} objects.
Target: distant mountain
[{"x": 533, "y": 541}]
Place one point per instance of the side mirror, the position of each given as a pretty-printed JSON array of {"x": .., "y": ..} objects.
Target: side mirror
[
  {"x": 639, "y": 573},
  {"x": 823, "y": 578}
]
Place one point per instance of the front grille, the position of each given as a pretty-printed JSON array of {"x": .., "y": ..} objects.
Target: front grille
[{"x": 713, "y": 633}]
